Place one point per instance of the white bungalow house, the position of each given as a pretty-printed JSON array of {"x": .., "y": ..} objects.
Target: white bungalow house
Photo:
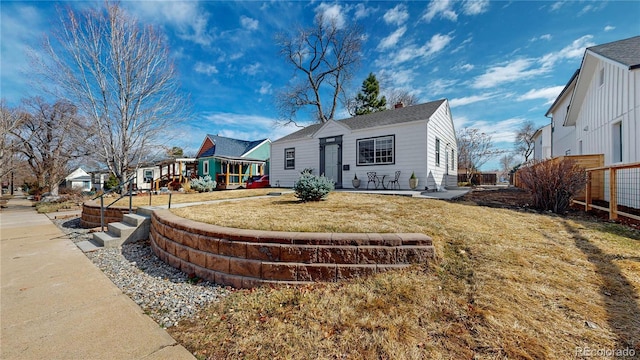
[
  {"x": 416, "y": 139},
  {"x": 542, "y": 143},
  {"x": 169, "y": 173},
  {"x": 78, "y": 179}
]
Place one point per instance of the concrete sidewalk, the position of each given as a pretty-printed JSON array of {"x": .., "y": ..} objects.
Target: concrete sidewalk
[{"x": 57, "y": 305}]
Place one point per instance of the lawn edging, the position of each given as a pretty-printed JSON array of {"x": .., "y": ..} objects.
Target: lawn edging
[{"x": 248, "y": 258}]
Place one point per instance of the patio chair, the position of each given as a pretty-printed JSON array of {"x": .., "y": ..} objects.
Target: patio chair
[
  {"x": 394, "y": 182},
  {"x": 371, "y": 175}
]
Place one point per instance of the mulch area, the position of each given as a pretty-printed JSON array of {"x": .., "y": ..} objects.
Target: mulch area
[{"x": 518, "y": 199}]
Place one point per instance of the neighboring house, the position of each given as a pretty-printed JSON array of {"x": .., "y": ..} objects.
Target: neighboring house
[
  {"x": 231, "y": 161},
  {"x": 605, "y": 104},
  {"x": 78, "y": 179},
  {"x": 419, "y": 138},
  {"x": 542, "y": 143},
  {"x": 563, "y": 137},
  {"x": 165, "y": 173}
]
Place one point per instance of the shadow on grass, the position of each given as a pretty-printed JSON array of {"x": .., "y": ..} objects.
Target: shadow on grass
[{"x": 617, "y": 293}]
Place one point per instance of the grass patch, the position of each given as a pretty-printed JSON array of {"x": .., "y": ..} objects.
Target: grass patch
[
  {"x": 180, "y": 198},
  {"x": 507, "y": 284}
]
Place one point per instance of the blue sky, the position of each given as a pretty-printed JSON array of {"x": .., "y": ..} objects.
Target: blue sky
[{"x": 499, "y": 63}]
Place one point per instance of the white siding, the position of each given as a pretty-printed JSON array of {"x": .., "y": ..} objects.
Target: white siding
[
  {"x": 414, "y": 144},
  {"x": 563, "y": 138},
  {"x": 617, "y": 100},
  {"x": 542, "y": 144}
]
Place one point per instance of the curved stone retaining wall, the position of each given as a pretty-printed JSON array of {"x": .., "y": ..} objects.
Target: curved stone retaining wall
[
  {"x": 249, "y": 258},
  {"x": 90, "y": 216}
]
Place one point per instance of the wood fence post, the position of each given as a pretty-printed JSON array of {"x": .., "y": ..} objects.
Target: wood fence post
[{"x": 613, "y": 194}]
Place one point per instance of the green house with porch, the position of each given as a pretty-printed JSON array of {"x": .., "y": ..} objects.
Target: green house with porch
[{"x": 231, "y": 161}]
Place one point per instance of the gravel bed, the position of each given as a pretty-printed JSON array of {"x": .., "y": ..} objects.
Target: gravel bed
[{"x": 164, "y": 293}]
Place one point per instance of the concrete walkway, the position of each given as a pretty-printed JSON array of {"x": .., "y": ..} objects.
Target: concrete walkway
[{"x": 57, "y": 305}]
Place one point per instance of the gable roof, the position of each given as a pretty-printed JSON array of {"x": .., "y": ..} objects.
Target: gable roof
[
  {"x": 380, "y": 118},
  {"x": 224, "y": 146},
  {"x": 625, "y": 52},
  {"x": 564, "y": 91}
]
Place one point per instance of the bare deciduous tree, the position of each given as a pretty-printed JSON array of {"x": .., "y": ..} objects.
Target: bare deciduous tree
[
  {"x": 524, "y": 140},
  {"x": 50, "y": 137},
  {"x": 325, "y": 57},
  {"x": 475, "y": 148},
  {"x": 9, "y": 122},
  {"x": 506, "y": 162},
  {"x": 396, "y": 96},
  {"x": 120, "y": 76}
]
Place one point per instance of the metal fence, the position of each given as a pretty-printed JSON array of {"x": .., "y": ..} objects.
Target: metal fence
[{"x": 615, "y": 189}]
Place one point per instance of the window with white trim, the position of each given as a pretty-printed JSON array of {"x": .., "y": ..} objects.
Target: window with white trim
[
  {"x": 601, "y": 79},
  {"x": 617, "y": 142},
  {"x": 290, "y": 158},
  {"x": 437, "y": 152},
  {"x": 205, "y": 167},
  {"x": 376, "y": 151},
  {"x": 148, "y": 176}
]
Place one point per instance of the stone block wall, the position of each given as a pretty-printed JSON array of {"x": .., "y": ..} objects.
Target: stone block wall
[
  {"x": 90, "y": 216},
  {"x": 249, "y": 258}
]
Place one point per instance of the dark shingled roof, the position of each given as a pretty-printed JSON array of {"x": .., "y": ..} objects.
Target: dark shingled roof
[
  {"x": 381, "y": 118},
  {"x": 626, "y": 52},
  {"x": 224, "y": 146}
]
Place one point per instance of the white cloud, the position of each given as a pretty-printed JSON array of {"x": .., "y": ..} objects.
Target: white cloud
[
  {"x": 470, "y": 99},
  {"x": 475, "y": 7},
  {"x": 557, "y": 5},
  {"x": 251, "y": 69},
  {"x": 362, "y": 11},
  {"x": 575, "y": 50},
  {"x": 542, "y": 37},
  {"x": 609, "y": 28},
  {"x": 442, "y": 8},
  {"x": 189, "y": 18},
  {"x": 331, "y": 13},
  {"x": 248, "y": 127},
  {"x": 396, "y": 77},
  {"x": 549, "y": 94},
  {"x": 265, "y": 89},
  {"x": 397, "y": 16},
  {"x": 436, "y": 44},
  {"x": 203, "y": 68},
  {"x": 249, "y": 23},
  {"x": 507, "y": 72},
  {"x": 439, "y": 86},
  {"x": 392, "y": 39},
  {"x": 463, "y": 67}
]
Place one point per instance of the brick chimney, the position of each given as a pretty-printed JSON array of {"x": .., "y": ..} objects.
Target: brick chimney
[{"x": 398, "y": 105}]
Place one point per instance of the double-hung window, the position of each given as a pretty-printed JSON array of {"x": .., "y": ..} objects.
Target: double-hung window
[
  {"x": 290, "y": 158},
  {"x": 148, "y": 176},
  {"x": 376, "y": 151}
]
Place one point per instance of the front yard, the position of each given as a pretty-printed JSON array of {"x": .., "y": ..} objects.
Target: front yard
[{"x": 507, "y": 284}]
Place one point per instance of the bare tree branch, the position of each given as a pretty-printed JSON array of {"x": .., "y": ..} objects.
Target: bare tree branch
[
  {"x": 475, "y": 148},
  {"x": 524, "y": 140},
  {"x": 120, "y": 76},
  {"x": 325, "y": 57}
]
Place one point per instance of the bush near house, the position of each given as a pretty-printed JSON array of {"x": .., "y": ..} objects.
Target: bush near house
[
  {"x": 553, "y": 183},
  {"x": 204, "y": 184},
  {"x": 312, "y": 188}
]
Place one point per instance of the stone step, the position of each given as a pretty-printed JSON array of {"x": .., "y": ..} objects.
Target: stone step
[
  {"x": 107, "y": 240},
  {"x": 134, "y": 219},
  {"x": 87, "y": 246},
  {"x": 120, "y": 229}
]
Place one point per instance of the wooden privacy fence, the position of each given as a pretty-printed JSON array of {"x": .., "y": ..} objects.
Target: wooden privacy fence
[
  {"x": 615, "y": 189},
  {"x": 584, "y": 161},
  {"x": 480, "y": 178}
]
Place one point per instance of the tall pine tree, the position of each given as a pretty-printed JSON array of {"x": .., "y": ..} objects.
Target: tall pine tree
[{"x": 367, "y": 101}]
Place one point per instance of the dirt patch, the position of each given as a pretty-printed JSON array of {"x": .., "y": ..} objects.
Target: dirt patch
[{"x": 518, "y": 199}]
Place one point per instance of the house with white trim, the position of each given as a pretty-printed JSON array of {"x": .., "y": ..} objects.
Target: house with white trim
[
  {"x": 605, "y": 105},
  {"x": 542, "y": 143},
  {"x": 417, "y": 139},
  {"x": 232, "y": 161}
]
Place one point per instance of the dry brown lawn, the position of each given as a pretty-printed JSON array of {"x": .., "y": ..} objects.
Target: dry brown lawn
[
  {"x": 507, "y": 284},
  {"x": 180, "y": 198}
]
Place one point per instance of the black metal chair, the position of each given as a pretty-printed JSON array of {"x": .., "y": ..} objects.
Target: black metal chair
[
  {"x": 371, "y": 175},
  {"x": 394, "y": 182}
]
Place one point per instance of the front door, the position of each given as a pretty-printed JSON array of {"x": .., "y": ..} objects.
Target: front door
[{"x": 331, "y": 159}]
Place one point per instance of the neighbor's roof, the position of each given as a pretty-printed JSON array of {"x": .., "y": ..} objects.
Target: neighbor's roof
[
  {"x": 381, "y": 118},
  {"x": 566, "y": 88},
  {"x": 626, "y": 52},
  {"x": 224, "y": 146}
]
